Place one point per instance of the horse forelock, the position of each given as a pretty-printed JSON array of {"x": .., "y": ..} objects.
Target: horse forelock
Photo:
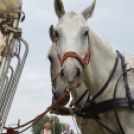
[{"x": 70, "y": 17}]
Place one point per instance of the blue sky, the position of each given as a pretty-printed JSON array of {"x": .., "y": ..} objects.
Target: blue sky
[{"x": 112, "y": 19}]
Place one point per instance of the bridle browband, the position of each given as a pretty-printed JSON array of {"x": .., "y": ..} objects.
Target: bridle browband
[{"x": 84, "y": 62}]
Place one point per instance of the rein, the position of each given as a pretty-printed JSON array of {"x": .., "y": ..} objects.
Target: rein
[
  {"x": 35, "y": 120},
  {"x": 75, "y": 103}
]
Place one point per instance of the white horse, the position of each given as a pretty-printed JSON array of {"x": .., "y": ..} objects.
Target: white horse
[
  {"x": 86, "y": 126},
  {"x": 92, "y": 62}
]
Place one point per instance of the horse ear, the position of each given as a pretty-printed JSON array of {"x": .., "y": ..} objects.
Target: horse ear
[
  {"x": 59, "y": 8},
  {"x": 87, "y": 13},
  {"x": 51, "y": 31}
]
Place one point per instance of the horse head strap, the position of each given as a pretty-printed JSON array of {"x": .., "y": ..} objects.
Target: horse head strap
[
  {"x": 53, "y": 79},
  {"x": 84, "y": 62}
]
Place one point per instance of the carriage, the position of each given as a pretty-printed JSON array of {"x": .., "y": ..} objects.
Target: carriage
[{"x": 11, "y": 61}]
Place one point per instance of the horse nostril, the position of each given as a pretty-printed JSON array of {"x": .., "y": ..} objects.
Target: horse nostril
[
  {"x": 62, "y": 73},
  {"x": 78, "y": 73}
]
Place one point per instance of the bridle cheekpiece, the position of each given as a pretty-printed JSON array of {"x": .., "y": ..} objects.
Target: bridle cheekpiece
[{"x": 84, "y": 62}]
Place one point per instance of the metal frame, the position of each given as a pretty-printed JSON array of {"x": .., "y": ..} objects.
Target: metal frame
[
  {"x": 13, "y": 83},
  {"x": 8, "y": 84}
]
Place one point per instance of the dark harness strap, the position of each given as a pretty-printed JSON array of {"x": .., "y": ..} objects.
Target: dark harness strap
[
  {"x": 76, "y": 103},
  {"x": 126, "y": 80},
  {"x": 114, "y": 100},
  {"x": 128, "y": 95},
  {"x": 109, "y": 79},
  {"x": 104, "y": 106},
  {"x": 128, "y": 99}
]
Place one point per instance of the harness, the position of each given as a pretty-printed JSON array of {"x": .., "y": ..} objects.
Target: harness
[
  {"x": 104, "y": 106},
  {"x": 84, "y": 62},
  {"x": 90, "y": 109}
]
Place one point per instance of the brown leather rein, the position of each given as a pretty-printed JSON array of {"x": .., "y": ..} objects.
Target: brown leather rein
[{"x": 30, "y": 123}]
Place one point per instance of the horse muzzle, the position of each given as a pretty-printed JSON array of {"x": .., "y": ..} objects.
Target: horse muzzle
[{"x": 57, "y": 95}]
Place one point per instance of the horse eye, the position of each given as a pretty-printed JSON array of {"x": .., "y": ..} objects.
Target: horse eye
[
  {"x": 86, "y": 33},
  {"x": 56, "y": 34}
]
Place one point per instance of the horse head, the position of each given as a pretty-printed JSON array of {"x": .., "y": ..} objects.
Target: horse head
[
  {"x": 58, "y": 85},
  {"x": 71, "y": 36}
]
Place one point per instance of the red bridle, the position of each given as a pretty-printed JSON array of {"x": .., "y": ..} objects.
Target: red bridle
[
  {"x": 84, "y": 62},
  {"x": 53, "y": 79}
]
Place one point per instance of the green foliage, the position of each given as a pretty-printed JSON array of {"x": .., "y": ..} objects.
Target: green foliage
[{"x": 55, "y": 122}]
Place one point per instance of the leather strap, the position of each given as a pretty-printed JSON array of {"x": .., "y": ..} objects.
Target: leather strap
[
  {"x": 104, "y": 106},
  {"x": 127, "y": 91},
  {"x": 35, "y": 120},
  {"x": 101, "y": 124},
  {"x": 75, "y": 103},
  {"x": 91, "y": 110},
  {"x": 109, "y": 79},
  {"x": 83, "y": 62},
  {"x": 95, "y": 108},
  {"x": 53, "y": 79},
  {"x": 126, "y": 80}
]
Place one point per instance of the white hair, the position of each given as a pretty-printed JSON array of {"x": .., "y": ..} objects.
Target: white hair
[{"x": 67, "y": 125}]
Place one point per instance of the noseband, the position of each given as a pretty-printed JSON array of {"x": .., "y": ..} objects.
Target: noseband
[{"x": 84, "y": 62}]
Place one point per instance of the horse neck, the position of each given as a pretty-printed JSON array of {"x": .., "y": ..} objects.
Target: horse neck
[
  {"x": 76, "y": 94},
  {"x": 101, "y": 62}
]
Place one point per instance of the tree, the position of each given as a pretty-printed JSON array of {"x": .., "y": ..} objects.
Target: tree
[{"x": 55, "y": 122}]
